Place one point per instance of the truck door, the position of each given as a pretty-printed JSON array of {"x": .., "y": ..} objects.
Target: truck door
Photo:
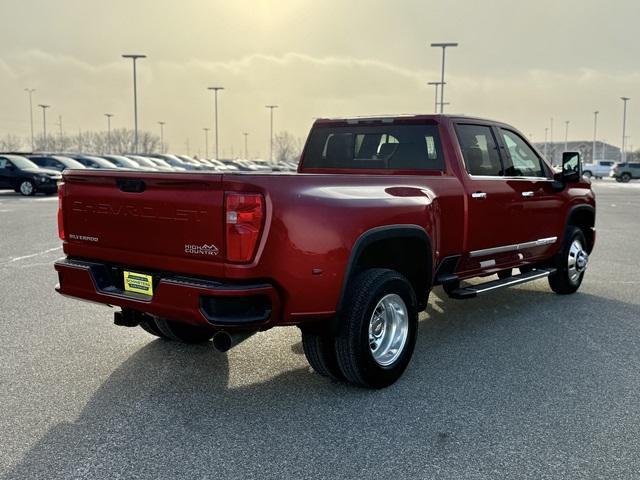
[
  {"x": 492, "y": 233},
  {"x": 538, "y": 223}
]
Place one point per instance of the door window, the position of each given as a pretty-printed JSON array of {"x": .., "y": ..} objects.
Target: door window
[
  {"x": 479, "y": 150},
  {"x": 3, "y": 163},
  {"x": 524, "y": 161}
]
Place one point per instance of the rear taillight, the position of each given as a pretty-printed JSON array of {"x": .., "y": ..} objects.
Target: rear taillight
[
  {"x": 244, "y": 214},
  {"x": 60, "y": 219}
]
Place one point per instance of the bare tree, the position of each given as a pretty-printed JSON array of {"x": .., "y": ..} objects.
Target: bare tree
[
  {"x": 122, "y": 142},
  {"x": 287, "y": 147},
  {"x": 10, "y": 143}
]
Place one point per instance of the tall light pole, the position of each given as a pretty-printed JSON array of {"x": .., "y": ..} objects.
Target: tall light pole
[
  {"x": 30, "y": 92},
  {"x": 135, "y": 57},
  {"x": 623, "y": 154},
  {"x": 435, "y": 104},
  {"x": 161, "y": 136},
  {"x": 44, "y": 124},
  {"x": 246, "y": 150},
  {"x": 215, "y": 113},
  {"x": 271, "y": 108},
  {"x": 206, "y": 142},
  {"x": 444, "y": 46},
  {"x": 61, "y": 134},
  {"x": 595, "y": 135},
  {"x": 546, "y": 135},
  {"x": 566, "y": 134},
  {"x": 108, "y": 115},
  {"x": 553, "y": 148}
]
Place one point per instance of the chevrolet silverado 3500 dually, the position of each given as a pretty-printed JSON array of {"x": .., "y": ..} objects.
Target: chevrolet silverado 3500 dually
[{"x": 380, "y": 211}]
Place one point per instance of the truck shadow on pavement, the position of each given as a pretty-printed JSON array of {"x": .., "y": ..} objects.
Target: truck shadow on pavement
[{"x": 481, "y": 370}]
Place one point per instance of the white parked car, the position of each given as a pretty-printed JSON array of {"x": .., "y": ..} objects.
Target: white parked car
[{"x": 599, "y": 169}]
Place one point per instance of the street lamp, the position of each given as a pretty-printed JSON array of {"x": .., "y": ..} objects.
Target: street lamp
[
  {"x": 546, "y": 136},
  {"x": 135, "y": 57},
  {"x": 435, "y": 84},
  {"x": 566, "y": 134},
  {"x": 271, "y": 108},
  {"x": 215, "y": 113},
  {"x": 442, "y": 83},
  {"x": 44, "y": 123},
  {"x": 108, "y": 115},
  {"x": 161, "y": 136},
  {"x": 623, "y": 154},
  {"x": 206, "y": 142},
  {"x": 30, "y": 92},
  {"x": 246, "y": 150},
  {"x": 595, "y": 134}
]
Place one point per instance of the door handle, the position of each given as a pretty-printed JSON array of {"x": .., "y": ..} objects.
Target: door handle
[
  {"x": 527, "y": 194},
  {"x": 479, "y": 195}
]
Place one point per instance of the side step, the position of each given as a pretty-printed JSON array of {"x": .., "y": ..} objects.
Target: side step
[{"x": 473, "y": 291}]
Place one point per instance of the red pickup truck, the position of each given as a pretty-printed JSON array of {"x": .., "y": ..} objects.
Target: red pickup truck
[{"x": 380, "y": 211}]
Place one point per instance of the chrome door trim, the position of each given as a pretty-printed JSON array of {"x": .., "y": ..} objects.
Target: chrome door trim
[{"x": 513, "y": 248}]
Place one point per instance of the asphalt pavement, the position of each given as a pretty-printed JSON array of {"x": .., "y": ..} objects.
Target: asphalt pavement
[{"x": 521, "y": 384}]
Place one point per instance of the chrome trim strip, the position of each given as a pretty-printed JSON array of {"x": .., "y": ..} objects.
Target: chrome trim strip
[
  {"x": 499, "y": 177},
  {"x": 512, "y": 248},
  {"x": 515, "y": 281}
]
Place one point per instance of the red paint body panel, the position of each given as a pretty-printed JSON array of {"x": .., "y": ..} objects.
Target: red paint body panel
[{"x": 312, "y": 221}]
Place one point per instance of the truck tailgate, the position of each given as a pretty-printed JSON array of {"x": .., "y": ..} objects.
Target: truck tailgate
[{"x": 171, "y": 221}]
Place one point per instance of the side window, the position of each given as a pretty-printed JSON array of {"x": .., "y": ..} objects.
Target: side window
[
  {"x": 524, "y": 161},
  {"x": 606, "y": 164},
  {"x": 479, "y": 150},
  {"x": 3, "y": 162}
]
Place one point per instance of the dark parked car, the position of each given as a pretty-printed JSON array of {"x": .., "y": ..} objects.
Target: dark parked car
[
  {"x": 55, "y": 162},
  {"x": 90, "y": 161},
  {"x": 24, "y": 176}
]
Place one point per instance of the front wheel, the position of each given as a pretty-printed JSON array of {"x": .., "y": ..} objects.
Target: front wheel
[
  {"x": 27, "y": 188},
  {"x": 625, "y": 177},
  {"x": 378, "y": 328},
  {"x": 572, "y": 263}
]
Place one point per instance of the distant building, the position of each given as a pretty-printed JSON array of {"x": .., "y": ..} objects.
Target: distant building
[{"x": 604, "y": 151}]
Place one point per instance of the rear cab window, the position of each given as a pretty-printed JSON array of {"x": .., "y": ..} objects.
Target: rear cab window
[{"x": 374, "y": 147}]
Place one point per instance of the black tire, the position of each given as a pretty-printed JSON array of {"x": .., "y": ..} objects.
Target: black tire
[
  {"x": 183, "y": 332},
  {"x": 149, "y": 325},
  {"x": 587, "y": 174},
  {"x": 320, "y": 350},
  {"x": 618, "y": 179},
  {"x": 27, "y": 188},
  {"x": 625, "y": 177},
  {"x": 560, "y": 281},
  {"x": 354, "y": 355},
  {"x": 502, "y": 274}
]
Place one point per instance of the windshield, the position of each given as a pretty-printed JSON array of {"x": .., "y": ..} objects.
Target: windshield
[
  {"x": 22, "y": 162},
  {"x": 70, "y": 162},
  {"x": 122, "y": 161}
]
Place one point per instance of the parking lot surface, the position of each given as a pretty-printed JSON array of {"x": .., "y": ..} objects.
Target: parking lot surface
[{"x": 520, "y": 384}]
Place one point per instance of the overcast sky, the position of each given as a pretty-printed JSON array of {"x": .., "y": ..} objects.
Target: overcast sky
[{"x": 521, "y": 62}]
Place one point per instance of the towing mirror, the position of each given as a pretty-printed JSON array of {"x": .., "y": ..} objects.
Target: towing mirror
[{"x": 571, "y": 167}]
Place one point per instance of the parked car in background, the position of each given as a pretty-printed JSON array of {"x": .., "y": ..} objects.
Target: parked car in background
[
  {"x": 54, "y": 162},
  {"x": 90, "y": 161},
  {"x": 162, "y": 163},
  {"x": 25, "y": 177},
  {"x": 124, "y": 162},
  {"x": 597, "y": 169},
  {"x": 145, "y": 162},
  {"x": 623, "y": 172},
  {"x": 175, "y": 161}
]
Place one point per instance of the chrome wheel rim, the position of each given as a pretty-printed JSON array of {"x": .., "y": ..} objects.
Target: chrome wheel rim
[
  {"x": 26, "y": 188},
  {"x": 388, "y": 329},
  {"x": 577, "y": 261}
]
